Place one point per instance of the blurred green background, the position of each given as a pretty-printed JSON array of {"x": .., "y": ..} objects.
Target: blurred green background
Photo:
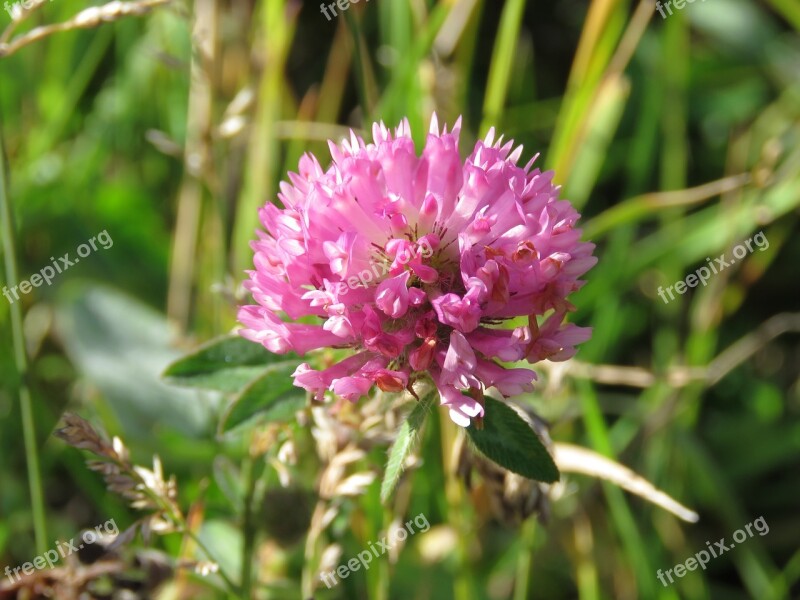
[{"x": 677, "y": 138}]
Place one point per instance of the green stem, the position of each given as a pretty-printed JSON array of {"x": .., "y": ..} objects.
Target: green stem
[
  {"x": 464, "y": 586},
  {"x": 249, "y": 528},
  {"x": 524, "y": 560},
  {"x": 503, "y": 57},
  {"x": 233, "y": 588},
  {"x": 365, "y": 92},
  {"x": 176, "y": 517},
  {"x": 21, "y": 360}
]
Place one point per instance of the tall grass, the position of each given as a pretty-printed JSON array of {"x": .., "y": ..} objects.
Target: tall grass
[{"x": 677, "y": 138}]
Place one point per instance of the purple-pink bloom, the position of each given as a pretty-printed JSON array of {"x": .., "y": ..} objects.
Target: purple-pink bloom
[
  {"x": 415, "y": 263},
  {"x": 392, "y": 295}
]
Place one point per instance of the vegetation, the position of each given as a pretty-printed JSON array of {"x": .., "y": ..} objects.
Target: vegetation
[{"x": 165, "y": 125}]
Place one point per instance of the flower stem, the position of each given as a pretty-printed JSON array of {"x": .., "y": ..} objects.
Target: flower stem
[
  {"x": 249, "y": 528},
  {"x": 233, "y": 588},
  {"x": 524, "y": 560},
  {"x": 457, "y": 513},
  {"x": 21, "y": 360}
]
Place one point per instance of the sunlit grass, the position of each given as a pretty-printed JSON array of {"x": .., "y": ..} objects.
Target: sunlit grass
[{"x": 677, "y": 138}]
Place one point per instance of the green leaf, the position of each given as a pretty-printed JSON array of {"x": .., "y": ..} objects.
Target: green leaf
[
  {"x": 272, "y": 396},
  {"x": 404, "y": 445},
  {"x": 228, "y": 478},
  {"x": 122, "y": 347},
  {"x": 226, "y": 364},
  {"x": 510, "y": 442}
]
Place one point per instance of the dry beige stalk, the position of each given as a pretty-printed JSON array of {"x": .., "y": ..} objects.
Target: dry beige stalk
[
  {"x": 86, "y": 19},
  {"x": 574, "y": 459},
  {"x": 344, "y": 436},
  {"x": 513, "y": 498},
  {"x": 145, "y": 489}
]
